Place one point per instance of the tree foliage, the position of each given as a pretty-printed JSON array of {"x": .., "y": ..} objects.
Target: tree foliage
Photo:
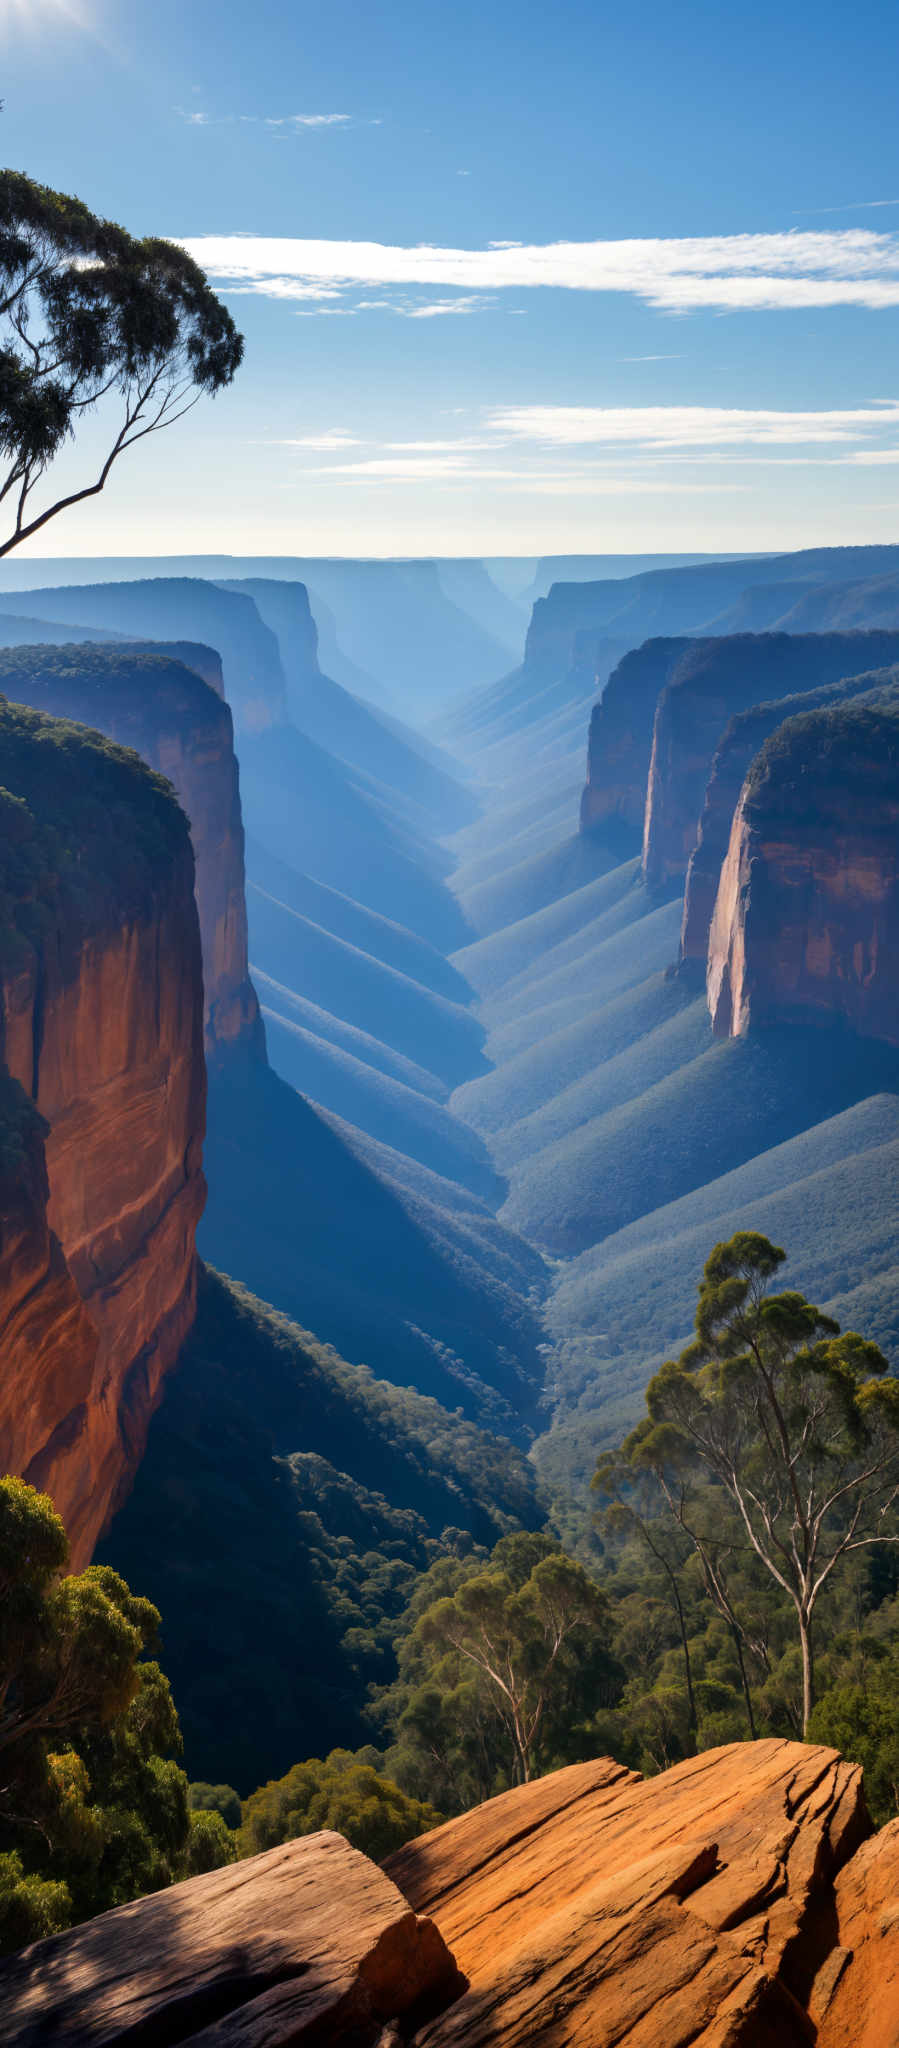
[
  {"x": 89, "y": 313},
  {"x": 504, "y": 1664},
  {"x": 343, "y": 1791},
  {"x": 793, "y": 1426},
  {"x": 93, "y": 1803}
]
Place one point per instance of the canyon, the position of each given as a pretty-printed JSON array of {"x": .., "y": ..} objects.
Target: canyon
[{"x": 497, "y": 1124}]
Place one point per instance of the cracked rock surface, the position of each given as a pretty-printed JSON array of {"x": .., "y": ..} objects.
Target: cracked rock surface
[{"x": 740, "y": 1900}]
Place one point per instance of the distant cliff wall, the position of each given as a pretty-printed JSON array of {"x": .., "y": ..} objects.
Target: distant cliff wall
[
  {"x": 181, "y": 726},
  {"x": 713, "y": 681},
  {"x": 620, "y": 741},
  {"x": 179, "y": 608},
  {"x": 806, "y": 921},
  {"x": 739, "y": 745},
  {"x": 101, "y": 1025}
]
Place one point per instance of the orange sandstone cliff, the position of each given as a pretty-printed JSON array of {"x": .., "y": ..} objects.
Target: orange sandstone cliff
[
  {"x": 806, "y": 921},
  {"x": 171, "y": 710},
  {"x": 101, "y": 1026}
]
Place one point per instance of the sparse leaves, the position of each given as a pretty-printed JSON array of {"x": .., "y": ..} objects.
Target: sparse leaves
[{"x": 88, "y": 314}]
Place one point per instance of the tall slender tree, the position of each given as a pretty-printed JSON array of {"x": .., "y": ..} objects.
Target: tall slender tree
[{"x": 796, "y": 1424}]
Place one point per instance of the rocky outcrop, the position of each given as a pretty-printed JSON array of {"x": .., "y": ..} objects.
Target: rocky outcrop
[
  {"x": 736, "y": 1901},
  {"x": 101, "y": 1025},
  {"x": 178, "y": 608},
  {"x": 620, "y": 742},
  {"x": 308, "y": 1942},
  {"x": 157, "y": 703},
  {"x": 806, "y": 920},
  {"x": 713, "y": 681},
  {"x": 739, "y": 745},
  {"x": 855, "y": 1992},
  {"x": 598, "y": 1908}
]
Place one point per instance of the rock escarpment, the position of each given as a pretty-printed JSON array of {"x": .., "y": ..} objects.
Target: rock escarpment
[
  {"x": 158, "y": 704},
  {"x": 806, "y": 921},
  {"x": 178, "y": 608},
  {"x": 42, "y": 1317},
  {"x": 739, "y": 745},
  {"x": 620, "y": 743},
  {"x": 101, "y": 1025},
  {"x": 713, "y": 681},
  {"x": 737, "y": 1901}
]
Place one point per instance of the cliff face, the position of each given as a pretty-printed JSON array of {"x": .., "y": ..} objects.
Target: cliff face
[
  {"x": 179, "y": 608},
  {"x": 713, "y": 681},
  {"x": 806, "y": 919},
  {"x": 620, "y": 743},
  {"x": 181, "y": 726},
  {"x": 568, "y": 629},
  {"x": 101, "y": 1025},
  {"x": 739, "y": 745},
  {"x": 42, "y": 1317}
]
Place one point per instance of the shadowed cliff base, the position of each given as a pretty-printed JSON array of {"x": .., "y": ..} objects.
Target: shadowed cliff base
[
  {"x": 296, "y": 1216},
  {"x": 287, "y": 1499}
]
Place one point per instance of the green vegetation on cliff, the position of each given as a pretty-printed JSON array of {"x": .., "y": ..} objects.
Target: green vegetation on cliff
[
  {"x": 826, "y": 764},
  {"x": 85, "y": 825}
]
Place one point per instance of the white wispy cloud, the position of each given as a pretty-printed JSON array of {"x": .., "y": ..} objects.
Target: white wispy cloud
[
  {"x": 416, "y": 309},
  {"x": 687, "y": 426},
  {"x": 798, "y": 268},
  {"x": 283, "y": 123},
  {"x": 334, "y": 438},
  {"x": 307, "y": 120},
  {"x": 457, "y": 469}
]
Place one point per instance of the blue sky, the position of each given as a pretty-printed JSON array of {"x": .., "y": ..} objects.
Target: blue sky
[{"x": 693, "y": 344}]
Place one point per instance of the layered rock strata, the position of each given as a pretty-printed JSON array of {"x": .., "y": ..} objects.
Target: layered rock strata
[
  {"x": 101, "y": 1025},
  {"x": 713, "y": 681},
  {"x": 171, "y": 711},
  {"x": 806, "y": 921},
  {"x": 737, "y": 1901},
  {"x": 739, "y": 745}
]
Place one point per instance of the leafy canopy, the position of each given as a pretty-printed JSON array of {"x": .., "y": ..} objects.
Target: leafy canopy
[
  {"x": 795, "y": 1425},
  {"x": 343, "y": 1791},
  {"x": 88, "y": 312},
  {"x": 93, "y": 1803},
  {"x": 505, "y": 1663}
]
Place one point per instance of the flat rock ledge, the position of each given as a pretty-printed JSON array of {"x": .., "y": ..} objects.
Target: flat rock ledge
[{"x": 740, "y": 1900}]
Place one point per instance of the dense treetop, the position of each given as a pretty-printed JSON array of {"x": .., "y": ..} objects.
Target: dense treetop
[{"x": 81, "y": 821}]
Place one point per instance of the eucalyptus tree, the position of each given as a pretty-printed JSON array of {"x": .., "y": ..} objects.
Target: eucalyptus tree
[
  {"x": 795, "y": 1425},
  {"x": 92, "y": 317}
]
